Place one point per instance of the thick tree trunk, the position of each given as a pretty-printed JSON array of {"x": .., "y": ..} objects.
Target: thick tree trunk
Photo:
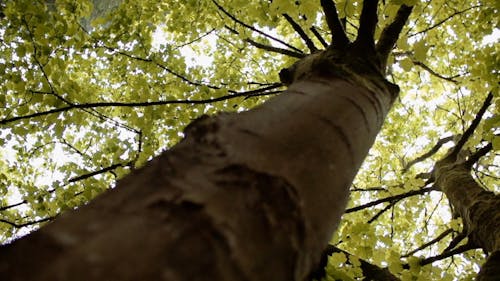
[
  {"x": 478, "y": 208},
  {"x": 248, "y": 196}
]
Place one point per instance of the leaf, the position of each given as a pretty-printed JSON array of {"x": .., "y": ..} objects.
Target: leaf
[
  {"x": 406, "y": 64},
  {"x": 420, "y": 50},
  {"x": 496, "y": 143},
  {"x": 337, "y": 259}
]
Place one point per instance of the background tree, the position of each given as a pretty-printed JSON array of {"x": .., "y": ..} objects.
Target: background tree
[{"x": 61, "y": 98}]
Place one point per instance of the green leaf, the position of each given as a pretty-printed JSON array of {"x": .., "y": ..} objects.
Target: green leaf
[
  {"x": 496, "y": 143},
  {"x": 420, "y": 50},
  {"x": 406, "y": 64}
]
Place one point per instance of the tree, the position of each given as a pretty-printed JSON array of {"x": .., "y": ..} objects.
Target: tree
[{"x": 281, "y": 168}]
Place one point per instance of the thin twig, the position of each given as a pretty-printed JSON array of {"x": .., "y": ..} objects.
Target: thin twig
[
  {"x": 101, "y": 171},
  {"x": 391, "y": 198},
  {"x": 443, "y": 20},
  {"x": 254, "y": 29},
  {"x": 377, "y": 215},
  {"x": 433, "y": 241}
]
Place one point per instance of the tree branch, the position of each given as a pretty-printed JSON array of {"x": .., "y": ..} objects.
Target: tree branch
[
  {"x": 194, "y": 40},
  {"x": 390, "y": 34},
  {"x": 26, "y": 223},
  {"x": 339, "y": 37},
  {"x": 454, "y": 242},
  {"x": 435, "y": 240},
  {"x": 445, "y": 255},
  {"x": 319, "y": 37},
  {"x": 52, "y": 88},
  {"x": 254, "y": 29},
  {"x": 302, "y": 33},
  {"x": 390, "y": 205},
  {"x": 13, "y": 205},
  {"x": 432, "y": 72},
  {"x": 101, "y": 171},
  {"x": 275, "y": 49},
  {"x": 428, "y": 154},
  {"x": 183, "y": 78},
  {"x": 468, "y": 133},
  {"x": 391, "y": 198},
  {"x": 269, "y": 48},
  {"x": 471, "y": 160},
  {"x": 143, "y": 104},
  {"x": 443, "y": 21},
  {"x": 367, "y": 24}
]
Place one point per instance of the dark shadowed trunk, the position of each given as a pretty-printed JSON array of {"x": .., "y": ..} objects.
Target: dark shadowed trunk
[{"x": 248, "y": 196}]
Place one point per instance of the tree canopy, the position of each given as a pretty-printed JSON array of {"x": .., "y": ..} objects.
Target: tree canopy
[{"x": 91, "y": 90}]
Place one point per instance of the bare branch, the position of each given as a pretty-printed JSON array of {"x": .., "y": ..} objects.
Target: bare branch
[
  {"x": 254, "y": 29},
  {"x": 270, "y": 48},
  {"x": 433, "y": 73},
  {"x": 377, "y": 188},
  {"x": 52, "y": 88},
  {"x": 471, "y": 160},
  {"x": 445, "y": 255},
  {"x": 275, "y": 49},
  {"x": 468, "y": 133},
  {"x": 302, "y": 33},
  {"x": 433, "y": 241},
  {"x": 390, "y": 34},
  {"x": 454, "y": 242},
  {"x": 19, "y": 225},
  {"x": 319, "y": 37},
  {"x": 367, "y": 24},
  {"x": 194, "y": 40},
  {"x": 377, "y": 215},
  {"x": 429, "y": 153},
  {"x": 101, "y": 171},
  {"x": 390, "y": 199},
  {"x": 339, "y": 37},
  {"x": 443, "y": 20},
  {"x": 143, "y": 104},
  {"x": 13, "y": 205},
  {"x": 195, "y": 83}
]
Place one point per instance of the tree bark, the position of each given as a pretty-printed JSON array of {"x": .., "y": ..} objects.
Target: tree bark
[
  {"x": 248, "y": 196},
  {"x": 478, "y": 208}
]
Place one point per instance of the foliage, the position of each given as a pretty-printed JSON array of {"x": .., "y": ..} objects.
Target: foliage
[{"x": 87, "y": 95}]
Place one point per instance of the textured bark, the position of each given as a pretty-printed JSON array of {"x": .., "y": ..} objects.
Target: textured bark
[
  {"x": 478, "y": 208},
  {"x": 248, "y": 196}
]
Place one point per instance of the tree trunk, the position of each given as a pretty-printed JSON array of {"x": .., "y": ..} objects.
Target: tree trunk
[
  {"x": 248, "y": 196},
  {"x": 478, "y": 208}
]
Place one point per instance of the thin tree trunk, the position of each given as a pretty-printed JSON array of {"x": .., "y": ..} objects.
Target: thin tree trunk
[{"x": 249, "y": 196}]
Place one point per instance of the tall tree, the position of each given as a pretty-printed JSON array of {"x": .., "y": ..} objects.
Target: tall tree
[{"x": 253, "y": 195}]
